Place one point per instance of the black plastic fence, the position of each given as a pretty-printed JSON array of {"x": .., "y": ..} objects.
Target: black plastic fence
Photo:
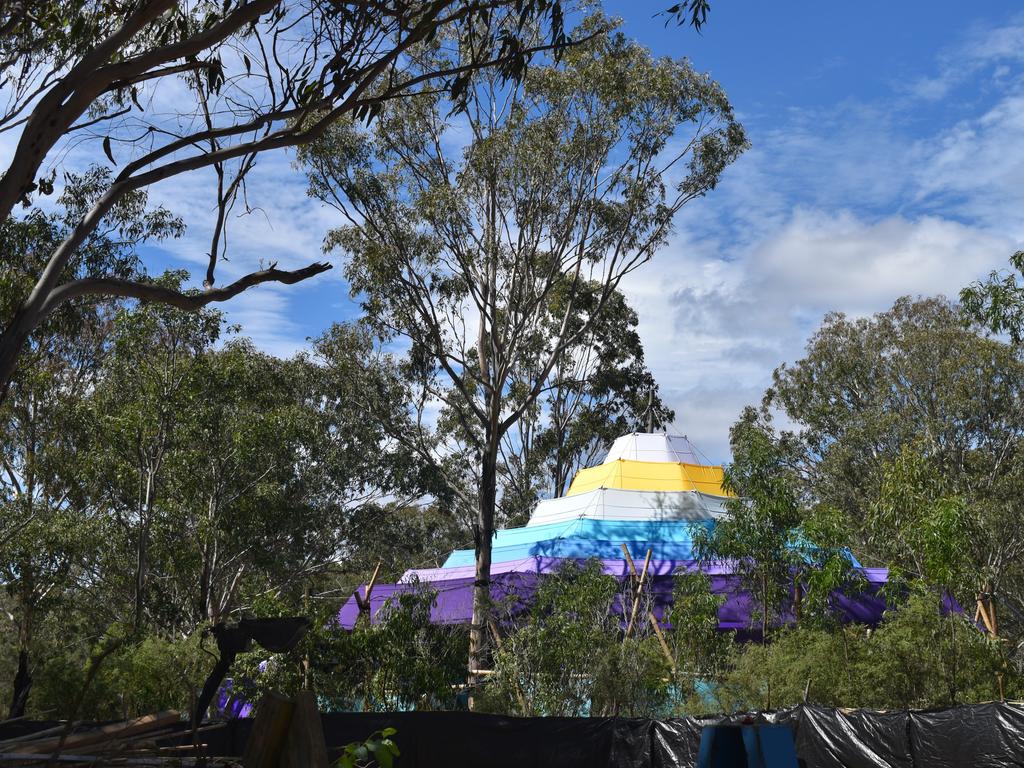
[
  {"x": 977, "y": 736},
  {"x": 980, "y": 735}
]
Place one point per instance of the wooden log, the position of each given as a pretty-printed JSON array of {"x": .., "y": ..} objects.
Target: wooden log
[
  {"x": 305, "y": 746},
  {"x": 115, "y": 731},
  {"x": 269, "y": 731},
  {"x": 57, "y": 729}
]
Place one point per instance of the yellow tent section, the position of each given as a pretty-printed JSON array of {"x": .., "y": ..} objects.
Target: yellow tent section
[{"x": 649, "y": 476}]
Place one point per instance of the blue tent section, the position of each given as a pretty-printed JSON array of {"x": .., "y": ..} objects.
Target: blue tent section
[
  {"x": 608, "y": 530},
  {"x": 578, "y": 549}
]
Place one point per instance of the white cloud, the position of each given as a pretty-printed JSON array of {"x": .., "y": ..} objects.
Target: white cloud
[
  {"x": 714, "y": 330},
  {"x": 985, "y": 51},
  {"x": 975, "y": 169},
  {"x": 264, "y": 315},
  {"x": 843, "y": 208}
]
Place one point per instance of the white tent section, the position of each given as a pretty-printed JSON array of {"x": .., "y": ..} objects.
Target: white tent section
[
  {"x": 647, "y": 446},
  {"x": 616, "y": 504}
]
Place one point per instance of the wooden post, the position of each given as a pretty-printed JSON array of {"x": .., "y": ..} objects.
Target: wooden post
[
  {"x": 305, "y": 746},
  {"x": 650, "y": 614},
  {"x": 306, "y": 662},
  {"x": 629, "y": 559},
  {"x": 373, "y": 581},
  {"x": 269, "y": 731}
]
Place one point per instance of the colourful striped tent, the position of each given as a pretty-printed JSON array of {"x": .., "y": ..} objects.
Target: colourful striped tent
[{"x": 645, "y": 497}]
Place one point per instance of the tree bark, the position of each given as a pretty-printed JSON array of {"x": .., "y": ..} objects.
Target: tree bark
[
  {"x": 23, "y": 678},
  {"x": 45, "y": 300},
  {"x": 22, "y": 686},
  {"x": 12, "y": 341},
  {"x": 484, "y": 535}
]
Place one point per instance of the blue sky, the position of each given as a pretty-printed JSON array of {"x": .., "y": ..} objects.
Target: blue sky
[{"x": 887, "y": 159}]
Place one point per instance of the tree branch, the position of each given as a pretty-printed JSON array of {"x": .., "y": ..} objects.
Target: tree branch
[{"x": 104, "y": 286}]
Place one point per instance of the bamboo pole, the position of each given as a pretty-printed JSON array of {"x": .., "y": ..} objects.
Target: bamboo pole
[
  {"x": 363, "y": 601},
  {"x": 372, "y": 582},
  {"x": 629, "y": 559},
  {"x": 983, "y": 610},
  {"x": 664, "y": 644},
  {"x": 637, "y": 595}
]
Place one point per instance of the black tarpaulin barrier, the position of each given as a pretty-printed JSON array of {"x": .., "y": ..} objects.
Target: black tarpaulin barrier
[
  {"x": 970, "y": 735},
  {"x": 676, "y": 742},
  {"x": 856, "y": 738},
  {"x": 981, "y": 735}
]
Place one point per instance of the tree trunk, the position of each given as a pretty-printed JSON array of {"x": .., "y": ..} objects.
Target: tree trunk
[
  {"x": 142, "y": 547},
  {"x": 12, "y": 341},
  {"x": 764, "y": 610},
  {"x": 23, "y": 678},
  {"x": 25, "y": 599},
  {"x": 22, "y": 686},
  {"x": 484, "y": 535}
]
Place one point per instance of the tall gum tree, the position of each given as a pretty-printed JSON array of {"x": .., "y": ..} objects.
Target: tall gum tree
[
  {"x": 601, "y": 388},
  {"x": 911, "y": 423},
  {"x": 491, "y": 242},
  {"x": 259, "y": 76},
  {"x": 47, "y": 522}
]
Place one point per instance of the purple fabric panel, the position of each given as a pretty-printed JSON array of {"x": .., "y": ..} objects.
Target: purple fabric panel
[
  {"x": 512, "y": 590},
  {"x": 536, "y": 564}
]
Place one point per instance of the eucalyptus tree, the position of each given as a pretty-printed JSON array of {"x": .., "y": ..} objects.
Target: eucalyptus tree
[
  {"x": 233, "y": 479},
  {"x": 493, "y": 242},
  {"x": 911, "y": 422},
  {"x": 48, "y": 521},
  {"x": 600, "y": 388},
  {"x": 786, "y": 553},
  {"x": 997, "y": 303},
  {"x": 549, "y": 663},
  {"x": 161, "y": 88},
  {"x": 146, "y": 389},
  {"x": 235, "y": 518}
]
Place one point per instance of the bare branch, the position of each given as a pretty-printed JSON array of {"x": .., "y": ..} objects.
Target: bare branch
[{"x": 128, "y": 289}]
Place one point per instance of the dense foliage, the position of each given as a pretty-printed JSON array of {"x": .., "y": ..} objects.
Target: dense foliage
[
  {"x": 159, "y": 474},
  {"x": 493, "y": 245}
]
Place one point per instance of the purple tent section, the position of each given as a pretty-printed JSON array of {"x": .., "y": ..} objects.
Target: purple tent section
[{"x": 513, "y": 585}]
